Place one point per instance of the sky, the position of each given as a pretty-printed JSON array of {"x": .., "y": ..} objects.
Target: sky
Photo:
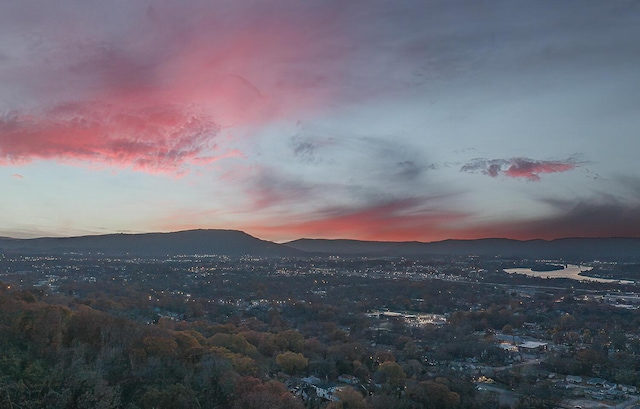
[{"x": 377, "y": 120}]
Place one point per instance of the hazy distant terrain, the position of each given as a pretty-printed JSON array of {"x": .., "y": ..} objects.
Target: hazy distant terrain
[{"x": 571, "y": 248}]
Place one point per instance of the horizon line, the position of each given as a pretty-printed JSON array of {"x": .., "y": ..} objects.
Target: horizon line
[{"x": 122, "y": 233}]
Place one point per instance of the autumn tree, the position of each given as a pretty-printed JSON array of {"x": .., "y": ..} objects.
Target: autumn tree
[
  {"x": 253, "y": 394},
  {"x": 176, "y": 396},
  {"x": 349, "y": 399},
  {"x": 290, "y": 340},
  {"x": 434, "y": 395},
  {"x": 392, "y": 374},
  {"x": 292, "y": 362}
]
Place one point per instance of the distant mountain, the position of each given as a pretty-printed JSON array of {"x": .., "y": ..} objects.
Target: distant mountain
[
  {"x": 235, "y": 243},
  {"x": 570, "y": 248},
  {"x": 222, "y": 242}
]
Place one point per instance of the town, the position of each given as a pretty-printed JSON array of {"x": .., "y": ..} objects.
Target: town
[{"x": 369, "y": 332}]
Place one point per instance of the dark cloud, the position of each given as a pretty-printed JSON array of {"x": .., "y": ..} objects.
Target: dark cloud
[
  {"x": 524, "y": 168},
  {"x": 493, "y": 170},
  {"x": 307, "y": 148},
  {"x": 599, "y": 216},
  {"x": 304, "y": 149},
  {"x": 481, "y": 165},
  {"x": 603, "y": 217},
  {"x": 409, "y": 169}
]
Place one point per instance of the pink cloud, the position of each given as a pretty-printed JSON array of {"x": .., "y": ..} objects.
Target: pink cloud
[
  {"x": 155, "y": 95},
  {"x": 265, "y": 66},
  {"x": 17, "y": 176},
  {"x": 156, "y": 139},
  {"x": 530, "y": 169},
  {"x": 399, "y": 220},
  {"x": 524, "y": 168}
]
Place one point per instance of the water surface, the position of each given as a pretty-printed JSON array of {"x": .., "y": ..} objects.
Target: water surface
[{"x": 571, "y": 271}]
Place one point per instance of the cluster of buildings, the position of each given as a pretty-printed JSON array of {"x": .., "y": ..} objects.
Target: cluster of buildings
[
  {"x": 521, "y": 345},
  {"x": 596, "y": 388},
  {"x": 313, "y": 388},
  {"x": 410, "y": 319}
]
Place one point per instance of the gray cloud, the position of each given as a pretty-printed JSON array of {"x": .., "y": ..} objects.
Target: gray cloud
[
  {"x": 631, "y": 183},
  {"x": 409, "y": 169},
  {"x": 309, "y": 148},
  {"x": 388, "y": 158},
  {"x": 271, "y": 188},
  {"x": 304, "y": 149},
  {"x": 336, "y": 170},
  {"x": 605, "y": 216},
  {"x": 490, "y": 167}
]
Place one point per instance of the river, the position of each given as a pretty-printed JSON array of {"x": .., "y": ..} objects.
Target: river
[{"x": 571, "y": 271}]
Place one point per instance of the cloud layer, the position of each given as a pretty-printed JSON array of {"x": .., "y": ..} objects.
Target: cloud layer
[
  {"x": 324, "y": 119},
  {"x": 155, "y": 95}
]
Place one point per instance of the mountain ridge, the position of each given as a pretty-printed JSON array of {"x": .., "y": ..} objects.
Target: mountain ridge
[
  {"x": 198, "y": 241},
  {"x": 238, "y": 243}
]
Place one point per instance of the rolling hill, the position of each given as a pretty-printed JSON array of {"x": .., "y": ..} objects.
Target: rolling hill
[
  {"x": 569, "y": 248},
  {"x": 222, "y": 242}
]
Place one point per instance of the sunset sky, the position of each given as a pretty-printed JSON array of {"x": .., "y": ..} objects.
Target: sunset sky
[{"x": 385, "y": 120}]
